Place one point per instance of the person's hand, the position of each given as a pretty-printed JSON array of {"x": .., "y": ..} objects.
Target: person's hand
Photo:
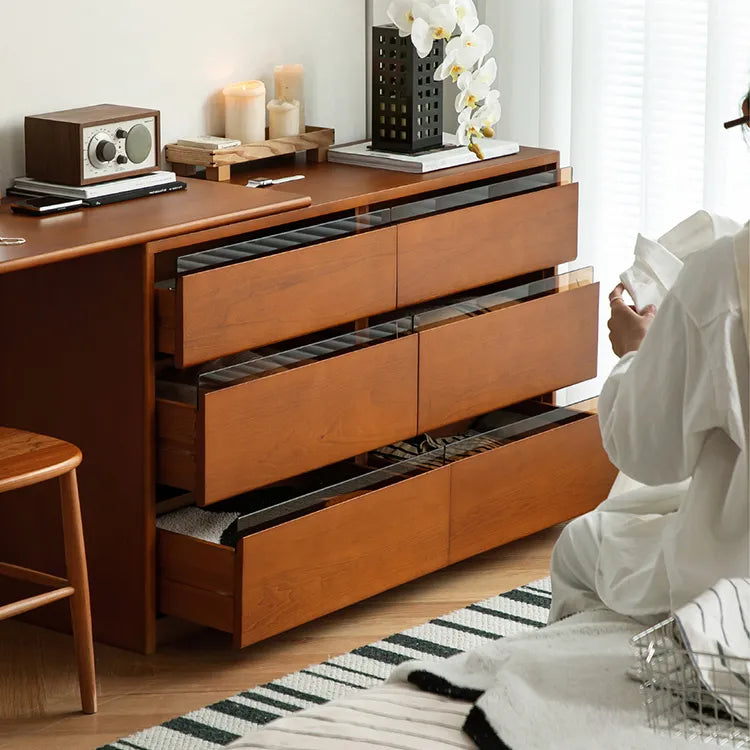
[{"x": 627, "y": 327}]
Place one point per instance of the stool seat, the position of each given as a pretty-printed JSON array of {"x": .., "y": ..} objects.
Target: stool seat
[{"x": 27, "y": 458}]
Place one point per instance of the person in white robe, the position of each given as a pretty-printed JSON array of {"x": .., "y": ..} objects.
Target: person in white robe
[{"x": 674, "y": 417}]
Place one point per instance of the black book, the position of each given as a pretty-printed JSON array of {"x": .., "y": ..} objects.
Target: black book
[{"x": 103, "y": 200}]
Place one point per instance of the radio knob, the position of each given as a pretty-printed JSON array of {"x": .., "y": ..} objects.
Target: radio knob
[
  {"x": 105, "y": 151},
  {"x": 121, "y": 133},
  {"x": 122, "y": 159}
]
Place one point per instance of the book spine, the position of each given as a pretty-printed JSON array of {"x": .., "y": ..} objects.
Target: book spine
[
  {"x": 103, "y": 200},
  {"x": 112, "y": 188}
]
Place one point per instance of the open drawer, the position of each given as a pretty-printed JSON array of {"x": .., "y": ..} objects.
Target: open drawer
[
  {"x": 486, "y": 352},
  {"x": 292, "y": 553},
  {"x": 272, "y": 288},
  {"x": 485, "y": 234},
  {"x": 247, "y": 424}
]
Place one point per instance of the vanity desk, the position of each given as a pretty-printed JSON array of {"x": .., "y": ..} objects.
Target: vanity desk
[{"x": 358, "y": 374}]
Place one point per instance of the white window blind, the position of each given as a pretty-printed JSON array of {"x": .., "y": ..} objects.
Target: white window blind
[{"x": 646, "y": 86}]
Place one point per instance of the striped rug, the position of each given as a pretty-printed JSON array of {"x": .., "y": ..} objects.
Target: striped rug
[{"x": 523, "y": 609}]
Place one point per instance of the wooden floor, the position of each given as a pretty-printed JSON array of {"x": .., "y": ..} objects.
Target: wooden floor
[{"x": 39, "y": 704}]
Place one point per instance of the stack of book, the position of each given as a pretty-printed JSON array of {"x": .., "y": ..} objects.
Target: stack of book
[{"x": 102, "y": 193}]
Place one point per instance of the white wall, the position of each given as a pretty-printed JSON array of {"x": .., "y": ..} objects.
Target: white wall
[{"x": 175, "y": 56}]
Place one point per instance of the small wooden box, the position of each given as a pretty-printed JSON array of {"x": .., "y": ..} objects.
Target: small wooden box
[{"x": 92, "y": 144}]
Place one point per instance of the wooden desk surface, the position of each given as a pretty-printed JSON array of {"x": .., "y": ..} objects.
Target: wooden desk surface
[{"x": 91, "y": 230}]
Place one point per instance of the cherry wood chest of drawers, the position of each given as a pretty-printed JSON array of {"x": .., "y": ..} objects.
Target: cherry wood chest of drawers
[{"x": 293, "y": 344}]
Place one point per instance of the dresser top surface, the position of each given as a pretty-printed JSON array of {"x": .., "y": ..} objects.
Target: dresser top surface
[
  {"x": 327, "y": 188},
  {"x": 339, "y": 187}
]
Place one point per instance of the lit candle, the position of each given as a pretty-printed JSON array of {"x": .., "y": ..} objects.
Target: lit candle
[
  {"x": 245, "y": 111},
  {"x": 289, "y": 85},
  {"x": 283, "y": 118}
]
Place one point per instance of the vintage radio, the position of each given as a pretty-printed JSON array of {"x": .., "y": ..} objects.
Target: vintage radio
[{"x": 92, "y": 144}]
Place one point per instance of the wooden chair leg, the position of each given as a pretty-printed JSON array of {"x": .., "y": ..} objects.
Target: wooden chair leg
[{"x": 80, "y": 608}]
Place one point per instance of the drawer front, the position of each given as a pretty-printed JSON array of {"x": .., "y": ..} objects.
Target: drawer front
[
  {"x": 492, "y": 360},
  {"x": 523, "y": 487},
  {"x": 317, "y": 564},
  {"x": 291, "y": 422},
  {"x": 225, "y": 310},
  {"x": 470, "y": 247}
]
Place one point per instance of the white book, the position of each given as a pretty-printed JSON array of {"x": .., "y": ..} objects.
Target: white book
[
  {"x": 209, "y": 142},
  {"x": 362, "y": 155},
  {"x": 28, "y": 184}
]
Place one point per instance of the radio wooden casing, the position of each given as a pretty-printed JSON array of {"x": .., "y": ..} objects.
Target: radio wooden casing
[{"x": 92, "y": 144}]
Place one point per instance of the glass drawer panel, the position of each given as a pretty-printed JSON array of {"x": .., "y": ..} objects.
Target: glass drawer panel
[
  {"x": 470, "y": 306},
  {"x": 362, "y": 482},
  {"x": 185, "y": 385},
  {"x": 280, "y": 241},
  {"x": 476, "y": 195},
  {"x": 511, "y": 424}
]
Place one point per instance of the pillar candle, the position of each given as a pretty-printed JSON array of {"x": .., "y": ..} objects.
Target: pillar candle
[
  {"x": 289, "y": 85},
  {"x": 245, "y": 111},
  {"x": 283, "y": 118}
]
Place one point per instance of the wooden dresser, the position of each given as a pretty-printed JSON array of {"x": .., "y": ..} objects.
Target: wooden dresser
[{"x": 360, "y": 373}]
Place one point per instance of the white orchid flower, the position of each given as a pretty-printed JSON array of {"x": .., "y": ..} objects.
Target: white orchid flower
[
  {"x": 466, "y": 12},
  {"x": 467, "y": 127},
  {"x": 403, "y": 13},
  {"x": 474, "y": 87},
  {"x": 440, "y": 24},
  {"x": 478, "y": 123},
  {"x": 470, "y": 48},
  {"x": 488, "y": 114},
  {"x": 449, "y": 67}
]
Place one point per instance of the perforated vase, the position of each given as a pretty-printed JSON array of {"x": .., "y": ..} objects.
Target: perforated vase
[{"x": 407, "y": 104}]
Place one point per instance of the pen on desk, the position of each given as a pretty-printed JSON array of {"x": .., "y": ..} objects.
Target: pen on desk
[{"x": 267, "y": 181}]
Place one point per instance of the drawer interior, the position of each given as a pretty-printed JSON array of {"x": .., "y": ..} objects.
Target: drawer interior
[{"x": 228, "y": 521}]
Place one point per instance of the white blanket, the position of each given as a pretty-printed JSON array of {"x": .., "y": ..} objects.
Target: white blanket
[{"x": 562, "y": 687}]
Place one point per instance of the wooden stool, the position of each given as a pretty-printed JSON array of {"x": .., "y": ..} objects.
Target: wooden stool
[{"x": 25, "y": 459}]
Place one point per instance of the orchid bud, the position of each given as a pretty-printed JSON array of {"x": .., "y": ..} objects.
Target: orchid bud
[{"x": 473, "y": 146}]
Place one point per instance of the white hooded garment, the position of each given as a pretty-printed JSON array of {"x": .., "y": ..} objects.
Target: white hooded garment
[{"x": 674, "y": 417}]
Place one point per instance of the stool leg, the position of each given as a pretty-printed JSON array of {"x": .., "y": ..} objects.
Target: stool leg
[{"x": 80, "y": 608}]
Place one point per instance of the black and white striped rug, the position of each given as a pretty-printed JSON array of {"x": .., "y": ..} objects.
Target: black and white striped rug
[{"x": 523, "y": 609}]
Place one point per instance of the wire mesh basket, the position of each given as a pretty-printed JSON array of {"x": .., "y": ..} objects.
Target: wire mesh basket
[{"x": 692, "y": 694}]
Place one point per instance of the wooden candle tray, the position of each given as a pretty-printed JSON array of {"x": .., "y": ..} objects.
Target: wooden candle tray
[{"x": 218, "y": 164}]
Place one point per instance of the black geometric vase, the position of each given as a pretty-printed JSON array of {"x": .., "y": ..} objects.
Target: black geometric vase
[{"x": 407, "y": 104}]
